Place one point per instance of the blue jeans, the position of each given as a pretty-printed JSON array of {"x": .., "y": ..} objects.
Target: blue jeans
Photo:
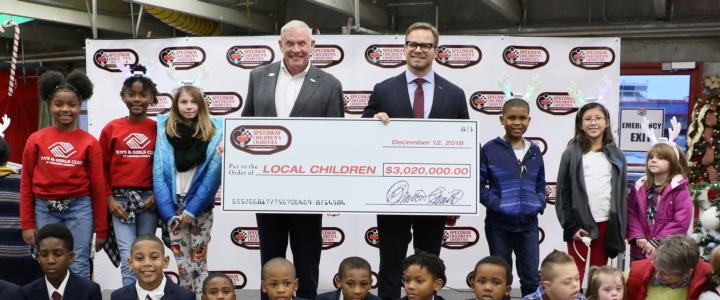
[
  {"x": 78, "y": 218},
  {"x": 526, "y": 246},
  {"x": 145, "y": 223}
]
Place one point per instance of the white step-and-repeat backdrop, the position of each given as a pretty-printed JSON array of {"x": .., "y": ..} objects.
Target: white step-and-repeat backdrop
[{"x": 475, "y": 63}]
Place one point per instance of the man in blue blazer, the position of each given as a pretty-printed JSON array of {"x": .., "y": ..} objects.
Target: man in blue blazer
[
  {"x": 55, "y": 244},
  {"x": 9, "y": 290},
  {"x": 416, "y": 93}
]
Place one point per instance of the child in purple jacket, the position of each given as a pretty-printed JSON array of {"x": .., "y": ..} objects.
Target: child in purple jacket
[{"x": 659, "y": 204}]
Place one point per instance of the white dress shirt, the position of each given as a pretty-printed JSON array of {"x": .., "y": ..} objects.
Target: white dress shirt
[
  {"x": 428, "y": 89},
  {"x": 155, "y": 294},
  {"x": 287, "y": 89},
  {"x": 61, "y": 289}
]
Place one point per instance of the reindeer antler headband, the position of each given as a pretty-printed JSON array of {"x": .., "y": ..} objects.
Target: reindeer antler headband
[
  {"x": 172, "y": 73},
  {"x": 5, "y": 124},
  {"x": 673, "y": 133},
  {"x": 529, "y": 93},
  {"x": 577, "y": 94}
]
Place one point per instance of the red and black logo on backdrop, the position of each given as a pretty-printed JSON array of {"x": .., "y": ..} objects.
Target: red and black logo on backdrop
[
  {"x": 372, "y": 237},
  {"x": 183, "y": 58},
  {"x": 385, "y": 56},
  {"x": 455, "y": 238},
  {"x": 223, "y": 103},
  {"x": 246, "y": 237},
  {"x": 110, "y": 59},
  {"x": 592, "y": 58},
  {"x": 355, "y": 101},
  {"x": 163, "y": 105},
  {"x": 259, "y": 139},
  {"x": 249, "y": 57},
  {"x": 556, "y": 103},
  {"x": 332, "y": 237},
  {"x": 550, "y": 192},
  {"x": 541, "y": 235},
  {"x": 174, "y": 277},
  {"x": 524, "y": 57},
  {"x": 487, "y": 102},
  {"x": 469, "y": 278},
  {"x": 540, "y": 142},
  {"x": 325, "y": 56},
  {"x": 458, "y": 56},
  {"x": 239, "y": 279}
]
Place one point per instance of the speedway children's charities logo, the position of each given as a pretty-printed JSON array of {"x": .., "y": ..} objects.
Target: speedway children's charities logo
[
  {"x": 324, "y": 56},
  {"x": 249, "y": 57},
  {"x": 487, "y": 102},
  {"x": 385, "y": 56},
  {"x": 332, "y": 237},
  {"x": 556, "y": 103},
  {"x": 110, "y": 59},
  {"x": 162, "y": 106},
  {"x": 258, "y": 139},
  {"x": 239, "y": 279},
  {"x": 540, "y": 142},
  {"x": 246, "y": 237},
  {"x": 355, "y": 101},
  {"x": 372, "y": 237},
  {"x": 550, "y": 192},
  {"x": 591, "y": 58},
  {"x": 183, "y": 58},
  {"x": 523, "y": 57},
  {"x": 223, "y": 103},
  {"x": 458, "y": 56},
  {"x": 455, "y": 238}
]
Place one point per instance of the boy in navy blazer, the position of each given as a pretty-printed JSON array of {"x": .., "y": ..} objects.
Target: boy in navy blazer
[
  {"x": 11, "y": 291},
  {"x": 55, "y": 244},
  {"x": 148, "y": 260},
  {"x": 353, "y": 280}
]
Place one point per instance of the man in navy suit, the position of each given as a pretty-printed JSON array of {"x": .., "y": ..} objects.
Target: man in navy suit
[
  {"x": 416, "y": 93},
  {"x": 55, "y": 244}
]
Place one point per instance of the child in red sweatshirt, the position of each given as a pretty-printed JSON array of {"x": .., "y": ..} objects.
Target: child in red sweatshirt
[
  {"x": 128, "y": 144},
  {"x": 62, "y": 175}
]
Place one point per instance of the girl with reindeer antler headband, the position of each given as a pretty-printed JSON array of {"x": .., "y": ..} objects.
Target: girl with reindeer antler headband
[
  {"x": 591, "y": 201},
  {"x": 186, "y": 176},
  {"x": 659, "y": 204}
]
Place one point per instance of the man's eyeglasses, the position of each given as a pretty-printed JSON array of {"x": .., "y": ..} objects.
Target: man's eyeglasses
[{"x": 424, "y": 47}]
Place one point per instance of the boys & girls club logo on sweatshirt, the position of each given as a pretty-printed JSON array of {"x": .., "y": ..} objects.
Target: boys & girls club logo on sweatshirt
[
  {"x": 239, "y": 279},
  {"x": 325, "y": 56},
  {"x": 355, "y": 101},
  {"x": 540, "y": 142},
  {"x": 487, "y": 102},
  {"x": 136, "y": 141},
  {"x": 591, "y": 58},
  {"x": 62, "y": 149},
  {"x": 550, "y": 192},
  {"x": 332, "y": 237},
  {"x": 110, "y": 59},
  {"x": 260, "y": 139},
  {"x": 556, "y": 103},
  {"x": 385, "y": 56},
  {"x": 372, "y": 237},
  {"x": 183, "y": 58},
  {"x": 223, "y": 103},
  {"x": 163, "y": 105},
  {"x": 249, "y": 57},
  {"x": 458, "y": 56},
  {"x": 246, "y": 237},
  {"x": 525, "y": 57},
  {"x": 455, "y": 238}
]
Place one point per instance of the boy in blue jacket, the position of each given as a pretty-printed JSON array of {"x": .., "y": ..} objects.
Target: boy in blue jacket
[{"x": 512, "y": 188}]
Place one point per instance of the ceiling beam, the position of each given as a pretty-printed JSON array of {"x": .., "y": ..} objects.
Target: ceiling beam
[
  {"x": 74, "y": 17},
  {"x": 510, "y": 9},
  {"x": 369, "y": 14},
  {"x": 256, "y": 21},
  {"x": 48, "y": 35},
  {"x": 660, "y": 7}
]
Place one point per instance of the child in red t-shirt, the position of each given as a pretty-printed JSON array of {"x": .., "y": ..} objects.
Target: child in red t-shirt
[
  {"x": 128, "y": 144},
  {"x": 62, "y": 175}
]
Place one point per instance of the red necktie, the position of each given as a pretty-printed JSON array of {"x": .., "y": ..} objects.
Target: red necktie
[
  {"x": 419, "y": 99},
  {"x": 148, "y": 297},
  {"x": 56, "y": 296}
]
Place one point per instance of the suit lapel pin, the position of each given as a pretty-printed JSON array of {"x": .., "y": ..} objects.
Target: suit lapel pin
[
  {"x": 271, "y": 75},
  {"x": 313, "y": 80}
]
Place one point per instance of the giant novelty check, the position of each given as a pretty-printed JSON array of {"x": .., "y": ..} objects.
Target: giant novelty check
[{"x": 313, "y": 165}]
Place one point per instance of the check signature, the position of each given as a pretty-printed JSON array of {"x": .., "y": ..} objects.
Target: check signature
[{"x": 399, "y": 193}]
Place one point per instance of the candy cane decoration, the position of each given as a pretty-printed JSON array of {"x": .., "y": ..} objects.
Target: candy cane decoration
[{"x": 13, "y": 63}]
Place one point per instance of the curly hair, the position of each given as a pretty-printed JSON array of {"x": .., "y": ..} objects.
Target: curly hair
[
  {"x": 147, "y": 83},
  {"x": 433, "y": 263},
  {"x": 51, "y": 82}
]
